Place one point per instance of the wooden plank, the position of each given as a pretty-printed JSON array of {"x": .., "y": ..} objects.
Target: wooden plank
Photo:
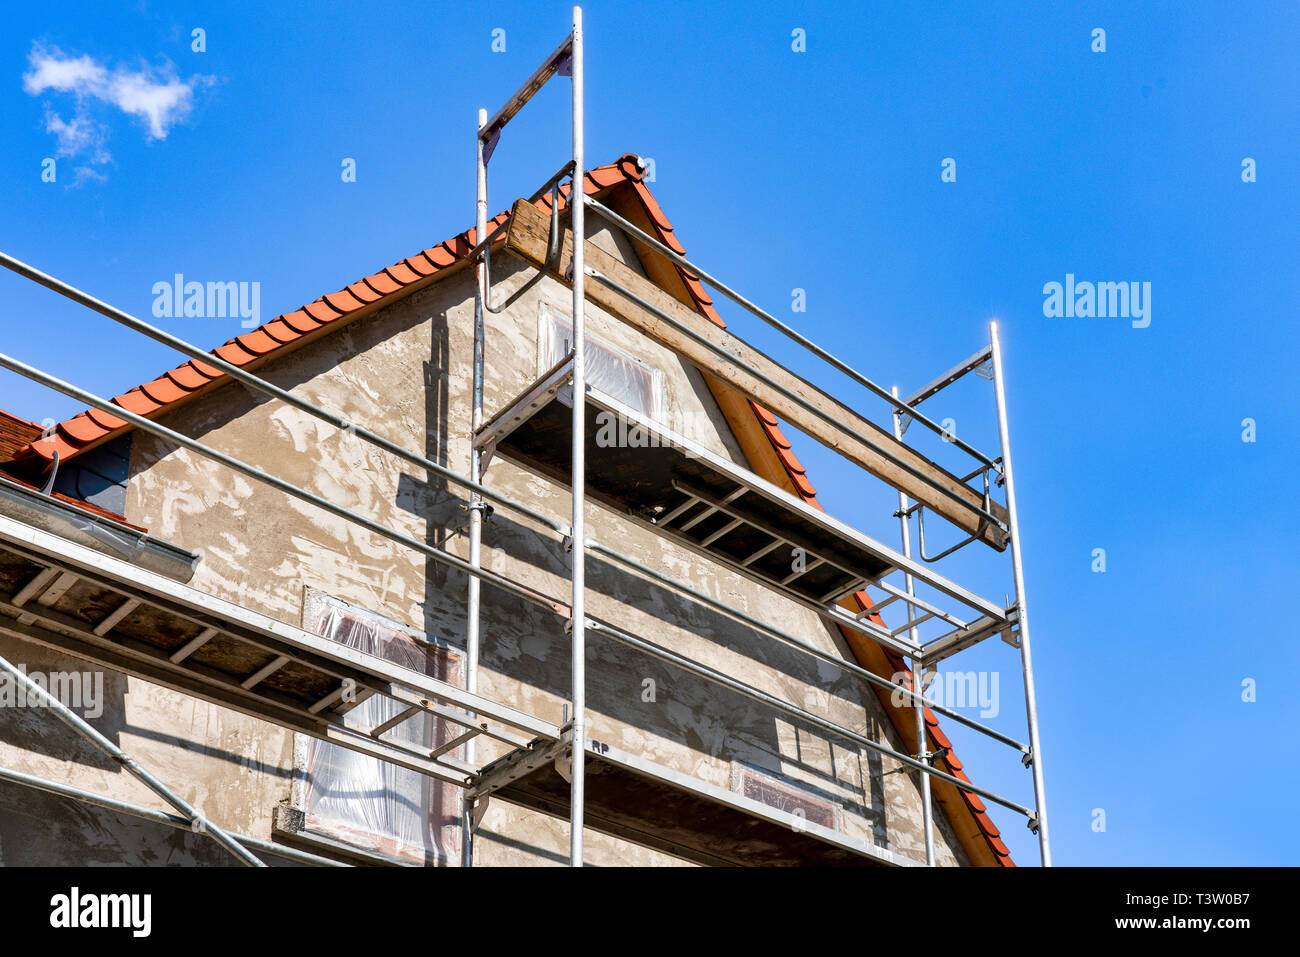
[
  {"x": 879, "y": 454},
  {"x": 735, "y": 407}
]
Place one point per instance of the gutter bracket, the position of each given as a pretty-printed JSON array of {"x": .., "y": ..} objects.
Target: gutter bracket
[{"x": 48, "y": 488}]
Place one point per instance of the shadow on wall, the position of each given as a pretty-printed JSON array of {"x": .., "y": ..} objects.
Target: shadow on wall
[
  {"x": 45, "y": 830},
  {"x": 94, "y": 693},
  {"x": 527, "y": 643}
]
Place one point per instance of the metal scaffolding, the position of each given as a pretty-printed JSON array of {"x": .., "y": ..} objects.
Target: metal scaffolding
[{"x": 708, "y": 505}]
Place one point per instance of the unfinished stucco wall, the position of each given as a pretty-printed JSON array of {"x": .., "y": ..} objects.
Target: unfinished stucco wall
[
  {"x": 405, "y": 373},
  {"x": 222, "y": 763}
]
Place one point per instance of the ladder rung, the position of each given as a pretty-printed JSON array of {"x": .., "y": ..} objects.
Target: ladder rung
[
  {"x": 713, "y": 509},
  {"x": 193, "y": 645},
  {"x": 725, "y": 529},
  {"x": 875, "y": 608},
  {"x": 57, "y": 590},
  {"x": 911, "y": 624},
  {"x": 803, "y": 571},
  {"x": 454, "y": 743},
  {"x": 916, "y": 602},
  {"x": 841, "y": 590},
  {"x": 330, "y": 698},
  {"x": 667, "y": 519},
  {"x": 116, "y": 615},
  {"x": 394, "y": 721},
  {"x": 775, "y": 544},
  {"x": 262, "y": 674},
  {"x": 35, "y": 587}
]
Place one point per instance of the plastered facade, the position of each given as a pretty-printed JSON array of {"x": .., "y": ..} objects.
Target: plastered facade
[{"x": 405, "y": 372}]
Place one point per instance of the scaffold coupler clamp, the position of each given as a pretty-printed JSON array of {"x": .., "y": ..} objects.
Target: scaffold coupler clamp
[
  {"x": 930, "y": 757},
  {"x": 1033, "y": 823},
  {"x": 479, "y": 505}
]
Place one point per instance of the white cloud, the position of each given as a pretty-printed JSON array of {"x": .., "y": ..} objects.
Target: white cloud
[
  {"x": 79, "y": 135},
  {"x": 51, "y": 71},
  {"x": 158, "y": 104},
  {"x": 85, "y": 174},
  {"x": 157, "y": 97}
]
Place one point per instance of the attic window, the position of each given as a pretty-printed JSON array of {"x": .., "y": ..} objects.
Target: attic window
[
  {"x": 784, "y": 796},
  {"x": 368, "y": 802},
  {"x": 609, "y": 371}
]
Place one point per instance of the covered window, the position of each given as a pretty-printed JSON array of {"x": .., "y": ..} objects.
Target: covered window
[
  {"x": 609, "y": 371},
  {"x": 366, "y": 801},
  {"x": 784, "y": 796}
]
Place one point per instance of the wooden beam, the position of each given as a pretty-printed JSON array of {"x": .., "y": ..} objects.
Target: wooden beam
[
  {"x": 734, "y": 405},
  {"x": 879, "y": 454}
]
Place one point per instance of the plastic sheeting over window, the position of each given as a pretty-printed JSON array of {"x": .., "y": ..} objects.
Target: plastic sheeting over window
[
  {"x": 618, "y": 376},
  {"x": 784, "y": 796},
  {"x": 368, "y": 802}
]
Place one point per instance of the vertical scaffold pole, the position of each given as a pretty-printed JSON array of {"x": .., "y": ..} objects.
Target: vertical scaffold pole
[
  {"x": 1026, "y": 661},
  {"x": 579, "y": 534},
  {"x": 472, "y": 612},
  {"x": 918, "y": 676}
]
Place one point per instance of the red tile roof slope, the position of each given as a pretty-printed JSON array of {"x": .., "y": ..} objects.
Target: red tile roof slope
[
  {"x": 992, "y": 836},
  {"x": 93, "y": 426}
]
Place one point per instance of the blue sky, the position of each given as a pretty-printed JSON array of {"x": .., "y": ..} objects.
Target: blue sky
[{"x": 821, "y": 171}]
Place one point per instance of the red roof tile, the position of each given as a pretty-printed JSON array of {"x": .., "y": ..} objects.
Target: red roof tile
[
  {"x": 164, "y": 391},
  {"x": 105, "y": 421},
  {"x": 259, "y": 343},
  {"x": 322, "y": 312},
  {"x": 283, "y": 333},
  {"x": 82, "y": 428},
  {"x": 302, "y": 323},
  {"x": 363, "y": 293}
]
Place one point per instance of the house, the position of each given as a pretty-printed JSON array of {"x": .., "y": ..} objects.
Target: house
[{"x": 393, "y": 352}]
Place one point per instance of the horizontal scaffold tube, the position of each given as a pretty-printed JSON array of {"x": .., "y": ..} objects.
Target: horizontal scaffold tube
[
  {"x": 265, "y": 387},
  {"x": 794, "y": 711},
  {"x": 140, "y": 422},
  {"x": 447, "y": 557},
  {"x": 869, "y": 676},
  {"x": 844, "y": 367},
  {"x": 984, "y": 514},
  {"x": 158, "y": 817}
]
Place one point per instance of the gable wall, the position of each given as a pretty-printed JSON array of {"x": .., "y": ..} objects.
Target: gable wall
[{"x": 405, "y": 372}]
